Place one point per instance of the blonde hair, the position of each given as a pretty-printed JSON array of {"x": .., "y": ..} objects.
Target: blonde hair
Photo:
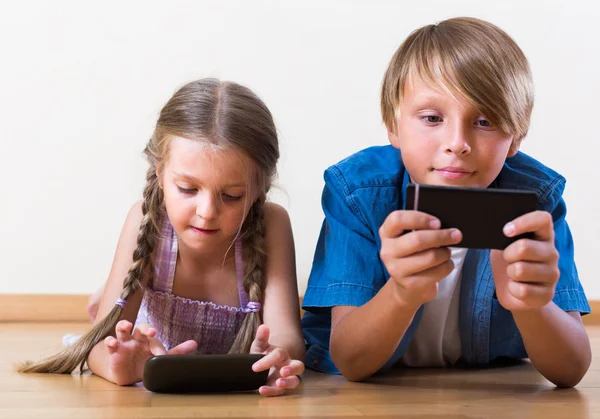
[
  {"x": 471, "y": 57},
  {"x": 226, "y": 115}
]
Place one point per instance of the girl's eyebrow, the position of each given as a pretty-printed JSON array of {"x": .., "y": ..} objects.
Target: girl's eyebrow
[{"x": 195, "y": 180}]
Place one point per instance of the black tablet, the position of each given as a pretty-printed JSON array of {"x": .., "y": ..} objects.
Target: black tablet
[
  {"x": 480, "y": 214},
  {"x": 202, "y": 373}
]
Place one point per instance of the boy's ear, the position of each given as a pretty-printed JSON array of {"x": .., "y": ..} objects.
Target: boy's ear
[
  {"x": 514, "y": 148},
  {"x": 394, "y": 140}
]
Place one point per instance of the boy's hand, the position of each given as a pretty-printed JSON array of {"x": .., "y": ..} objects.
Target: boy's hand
[
  {"x": 418, "y": 259},
  {"x": 526, "y": 272},
  {"x": 129, "y": 352},
  {"x": 284, "y": 370}
]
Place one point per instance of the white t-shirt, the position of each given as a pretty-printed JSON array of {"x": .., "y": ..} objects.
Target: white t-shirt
[{"x": 436, "y": 342}]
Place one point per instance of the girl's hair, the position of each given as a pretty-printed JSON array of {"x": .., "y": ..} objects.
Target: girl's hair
[
  {"x": 226, "y": 115},
  {"x": 471, "y": 57}
]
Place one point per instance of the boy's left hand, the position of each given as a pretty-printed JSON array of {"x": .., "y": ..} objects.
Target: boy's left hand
[
  {"x": 284, "y": 370},
  {"x": 526, "y": 272}
]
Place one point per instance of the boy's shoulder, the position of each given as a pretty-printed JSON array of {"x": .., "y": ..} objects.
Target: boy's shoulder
[
  {"x": 524, "y": 172},
  {"x": 372, "y": 167}
]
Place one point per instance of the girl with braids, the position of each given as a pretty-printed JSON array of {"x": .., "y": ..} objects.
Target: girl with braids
[{"x": 203, "y": 259}]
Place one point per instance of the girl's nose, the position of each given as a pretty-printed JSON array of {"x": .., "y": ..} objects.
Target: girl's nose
[{"x": 206, "y": 206}]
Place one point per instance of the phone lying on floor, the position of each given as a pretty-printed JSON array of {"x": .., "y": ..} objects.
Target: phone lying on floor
[
  {"x": 203, "y": 373},
  {"x": 480, "y": 214}
]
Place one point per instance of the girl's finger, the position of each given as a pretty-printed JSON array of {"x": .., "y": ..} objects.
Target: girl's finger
[
  {"x": 293, "y": 367},
  {"x": 276, "y": 357},
  {"x": 123, "y": 330},
  {"x": 289, "y": 382},
  {"x": 261, "y": 340},
  {"x": 112, "y": 344},
  {"x": 156, "y": 347},
  {"x": 270, "y": 391},
  {"x": 187, "y": 347},
  {"x": 143, "y": 332}
]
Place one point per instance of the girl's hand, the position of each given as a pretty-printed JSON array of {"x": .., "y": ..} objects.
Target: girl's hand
[
  {"x": 526, "y": 272},
  {"x": 93, "y": 304},
  {"x": 129, "y": 352},
  {"x": 284, "y": 370}
]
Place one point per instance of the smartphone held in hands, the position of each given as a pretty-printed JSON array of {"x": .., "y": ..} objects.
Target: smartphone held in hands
[{"x": 479, "y": 213}]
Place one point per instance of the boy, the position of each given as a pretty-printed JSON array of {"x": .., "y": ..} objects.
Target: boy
[{"x": 386, "y": 285}]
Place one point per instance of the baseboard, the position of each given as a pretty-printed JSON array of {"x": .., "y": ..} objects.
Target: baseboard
[
  {"x": 43, "y": 308},
  {"x": 71, "y": 308}
]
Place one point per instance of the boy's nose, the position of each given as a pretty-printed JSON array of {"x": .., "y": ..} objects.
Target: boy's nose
[{"x": 458, "y": 141}]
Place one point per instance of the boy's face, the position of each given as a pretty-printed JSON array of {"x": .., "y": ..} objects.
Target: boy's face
[{"x": 445, "y": 141}]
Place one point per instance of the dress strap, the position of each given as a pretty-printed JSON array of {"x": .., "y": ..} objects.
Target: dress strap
[{"x": 166, "y": 258}]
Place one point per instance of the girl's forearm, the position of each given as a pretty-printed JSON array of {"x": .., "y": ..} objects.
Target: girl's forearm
[{"x": 98, "y": 362}]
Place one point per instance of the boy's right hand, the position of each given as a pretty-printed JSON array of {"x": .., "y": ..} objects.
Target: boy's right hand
[
  {"x": 418, "y": 259},
  {"x": 129, "y": 352}
]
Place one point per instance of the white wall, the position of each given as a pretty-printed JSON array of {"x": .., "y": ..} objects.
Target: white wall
[{"x": 82, "y": 84}]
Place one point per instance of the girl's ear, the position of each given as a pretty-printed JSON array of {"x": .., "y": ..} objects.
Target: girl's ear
[{"x": 160, "y": 178}]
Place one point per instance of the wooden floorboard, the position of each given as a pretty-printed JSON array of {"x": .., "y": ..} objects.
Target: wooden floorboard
[{"x": 516, "y": 391}]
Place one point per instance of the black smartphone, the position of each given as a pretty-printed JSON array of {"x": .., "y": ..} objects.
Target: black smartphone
[
  {"x": 479, "y": 213},
  {"x": 203, "y": 373}
]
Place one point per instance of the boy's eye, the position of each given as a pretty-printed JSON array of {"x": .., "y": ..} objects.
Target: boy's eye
[
  {"x": 187, "y": 191},
  {"x": 484, "y": 123},
  {"x": 432, "y": 119}
]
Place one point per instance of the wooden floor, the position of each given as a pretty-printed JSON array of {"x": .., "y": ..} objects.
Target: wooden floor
[{"x": 516, "y": 391}]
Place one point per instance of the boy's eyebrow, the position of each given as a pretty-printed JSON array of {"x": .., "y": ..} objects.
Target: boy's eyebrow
[{"x": 195, "y": 180}]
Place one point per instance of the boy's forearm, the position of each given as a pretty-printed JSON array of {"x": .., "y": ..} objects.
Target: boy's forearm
[
  {"x": 365, "y": 339},
  {"x": 556, "y": 342}
]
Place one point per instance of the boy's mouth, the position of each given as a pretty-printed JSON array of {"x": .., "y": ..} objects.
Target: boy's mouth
[{"x": 453, "y": 172}]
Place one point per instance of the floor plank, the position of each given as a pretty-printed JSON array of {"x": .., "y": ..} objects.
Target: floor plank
[{"x": 514, "y": 391}]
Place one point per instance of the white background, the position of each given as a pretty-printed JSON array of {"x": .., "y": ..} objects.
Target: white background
[{"x": 82, "y": 83}]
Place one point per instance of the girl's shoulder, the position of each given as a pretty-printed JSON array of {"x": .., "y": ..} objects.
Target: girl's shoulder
[{"x": 276, "y": 218}]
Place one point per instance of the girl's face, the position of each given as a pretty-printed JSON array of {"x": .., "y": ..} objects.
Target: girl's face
[
  {"x": 445, "y": 141},
  {"x": 208, "y": 192}
]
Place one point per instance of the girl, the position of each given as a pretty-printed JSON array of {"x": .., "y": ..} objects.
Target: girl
[{"x": 203, "y": 257}]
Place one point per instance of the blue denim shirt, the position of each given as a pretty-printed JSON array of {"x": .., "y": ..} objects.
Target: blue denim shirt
[{"x": 359, "y": 193}]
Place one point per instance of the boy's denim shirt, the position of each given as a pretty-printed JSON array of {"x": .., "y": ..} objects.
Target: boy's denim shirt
[{"x": 359, "y": 194}]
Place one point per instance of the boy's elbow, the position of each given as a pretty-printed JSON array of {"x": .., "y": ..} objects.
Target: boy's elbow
[
  {"x": 571, "y": 379},
  {"x": 349, "y": 368}
]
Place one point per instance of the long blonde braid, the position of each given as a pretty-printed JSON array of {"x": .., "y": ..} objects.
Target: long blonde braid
[
  {"x": 68, "y": 359},
  {"x": 254, "y": 281}
]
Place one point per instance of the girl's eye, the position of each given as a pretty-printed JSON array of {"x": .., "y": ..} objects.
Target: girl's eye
[
  {"x": 432, "y": 119},
  {"x": 228, "y": 197},
  {"x": 187, "y": 191},
  {"x": 484, "y": 123}
]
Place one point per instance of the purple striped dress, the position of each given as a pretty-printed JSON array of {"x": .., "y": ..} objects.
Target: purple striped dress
[{"x": 178, "y": 319}]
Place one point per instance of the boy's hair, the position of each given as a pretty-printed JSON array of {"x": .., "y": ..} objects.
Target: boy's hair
[
  {"x": 471, "y": 57},
  {"x": 225, "y": 115}
]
